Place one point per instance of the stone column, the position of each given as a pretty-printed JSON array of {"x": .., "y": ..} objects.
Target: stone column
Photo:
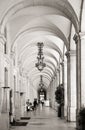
[
  {"x": 48, "y": 93},
  {"x": 56, "y": 84},
  {"x": 82, "y": 38},
  {"x": 51, "y": 99},
  {"x": 58, "y": 76},
  {"x": 22, "y": 103},
  {"x": 65, "y": 89},
  {"x": 5, "y": 108},
  {"x": 17, "y": 105},
  {"x": 61, "y": 76},
  {"x": 78, "y": 70},
  {"x": 17, "y": 94},
  {"x": 62, "y": 83},
  {"x": 71, "y": 85},
  {"x": 5, "y": 98},
  {"x": 53, "y": 92},
  {"x": 4, "y": 91},
  {"x": 62, "y": 73},
  {"x": 2, "y": 42}
]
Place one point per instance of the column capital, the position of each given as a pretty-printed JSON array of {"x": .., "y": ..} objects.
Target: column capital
[
  {"x": 76, "y": 37},
  {"x": 70, "y": 53},
  {"x": 67, "y": 54},
  {"x": 2, "y": 39}
]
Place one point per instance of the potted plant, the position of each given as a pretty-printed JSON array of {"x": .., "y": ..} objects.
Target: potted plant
[{"x": 59, "y": 96}]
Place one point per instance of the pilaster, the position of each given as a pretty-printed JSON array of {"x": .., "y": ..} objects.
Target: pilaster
[
  {"x": 58, "y": 75},
  {"x": 53, "y": 91},
  {"x": 17, "y": 105},
  {"x": 71, "y": 85},
  {"x": 4, "y": 90},
  {"x": 78, "y": 70},
  {"x": 2, "y": 42},
  {"x": 4, "y": 116},
  {"x": 65, "y": 88},
  {"x": 22, "y": 104},
  {"x": 62, "y": 72}
]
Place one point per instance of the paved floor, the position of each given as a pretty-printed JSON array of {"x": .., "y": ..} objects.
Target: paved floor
[{"x": 45, "y": 119}]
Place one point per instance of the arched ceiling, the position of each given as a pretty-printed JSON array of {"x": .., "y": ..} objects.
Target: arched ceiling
[
  {"x": 28, "y": 22},
  {"x": 63, "y": 6}
]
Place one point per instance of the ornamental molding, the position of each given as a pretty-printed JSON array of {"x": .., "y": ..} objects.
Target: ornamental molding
[{"x": 76, "y": 37}]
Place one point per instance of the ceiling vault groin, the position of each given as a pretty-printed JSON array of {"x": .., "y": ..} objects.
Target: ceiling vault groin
[{"x": 31, "y": 21}]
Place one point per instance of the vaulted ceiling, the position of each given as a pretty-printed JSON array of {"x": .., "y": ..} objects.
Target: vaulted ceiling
[{"x": 28, "y": 22}]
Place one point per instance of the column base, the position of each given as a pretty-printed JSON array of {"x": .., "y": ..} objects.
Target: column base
[
  {"x": 4, "y": 121},
  {"x": 71, "y": 113}
]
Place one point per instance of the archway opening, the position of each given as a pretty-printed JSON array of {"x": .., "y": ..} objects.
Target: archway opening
[{"x": 42, "y": 94}]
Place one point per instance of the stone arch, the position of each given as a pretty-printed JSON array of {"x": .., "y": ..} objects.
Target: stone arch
[
  {"x": 32, "y": 45},
  {"x": 63, "y": 6},
  {"x": 57, "y": 32}
]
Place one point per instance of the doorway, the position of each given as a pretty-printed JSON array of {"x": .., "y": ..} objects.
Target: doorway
[{"x": 42, "y": 94}]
